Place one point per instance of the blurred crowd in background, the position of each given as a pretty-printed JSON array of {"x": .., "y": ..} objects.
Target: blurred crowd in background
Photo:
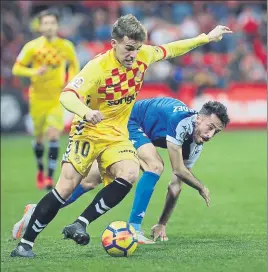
[{"x": 241, "y": 56}]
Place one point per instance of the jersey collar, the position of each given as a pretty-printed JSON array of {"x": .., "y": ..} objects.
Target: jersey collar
[{"x": 51, "y": 42}]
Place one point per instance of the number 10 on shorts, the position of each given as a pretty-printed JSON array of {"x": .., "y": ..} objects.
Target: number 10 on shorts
[{"x": 82, "y": 148}]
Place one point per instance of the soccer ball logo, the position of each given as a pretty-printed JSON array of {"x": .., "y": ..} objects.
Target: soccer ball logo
[{"x": 119, "y": 239}]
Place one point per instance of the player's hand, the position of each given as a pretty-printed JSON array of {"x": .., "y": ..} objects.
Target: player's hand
[
  {"x": 216, "y": 34},
  {"x": 159, "y": 231},
  {"x": 41, "y": 70},
  {"x": 94, "y": 116},
  {"x": 204, "y": 192}
]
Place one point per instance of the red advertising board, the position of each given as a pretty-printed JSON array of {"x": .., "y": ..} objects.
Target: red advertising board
[{"x": 246, "y": 103}]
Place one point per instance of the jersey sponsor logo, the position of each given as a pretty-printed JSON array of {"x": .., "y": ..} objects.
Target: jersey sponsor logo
[
  {"x": 77, "y": 82},
  {"x": 127, "y": 99}
]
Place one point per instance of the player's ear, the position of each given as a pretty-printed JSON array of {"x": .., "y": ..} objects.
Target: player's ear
[
  {"x": 198, "y": 118},
  {"x": 113, "y": 43}
]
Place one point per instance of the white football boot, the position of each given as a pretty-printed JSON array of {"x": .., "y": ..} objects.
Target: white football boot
[
  {"x": 142, "y": 240},
  {"x": 20, "y": 227}
]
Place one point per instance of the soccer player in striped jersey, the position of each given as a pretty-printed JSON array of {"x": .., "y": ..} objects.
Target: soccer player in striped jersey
[
  {"x": 44, "y": 61},
  {"x": 109, "y": 85}
]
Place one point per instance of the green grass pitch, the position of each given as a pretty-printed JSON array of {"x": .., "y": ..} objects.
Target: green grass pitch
[{"x": 229, "y": 236}]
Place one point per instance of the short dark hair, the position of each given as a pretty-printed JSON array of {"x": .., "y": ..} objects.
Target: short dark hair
[
  {"x": 128, "y": 25},
  {"x": 48, "y": 12},
  {"x": 218, "y": 109}
]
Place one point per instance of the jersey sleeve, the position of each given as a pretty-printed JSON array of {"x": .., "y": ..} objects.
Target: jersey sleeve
[
  {"x": 178, "y": 48},
  {"x": 23, "y": 60},
  {"x": 74, "y": 65},
  {"x": 26, "y": 54},
  {"x": 153, "y": 54},
  {"x": 177, "y": 129},
  {"x": 173, "y": 49},
  {"x": 87, "y": 80},
  {"x": 191, "y": 162}
]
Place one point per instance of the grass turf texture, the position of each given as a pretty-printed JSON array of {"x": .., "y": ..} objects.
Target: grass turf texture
[{"x": 228, "y": 236}]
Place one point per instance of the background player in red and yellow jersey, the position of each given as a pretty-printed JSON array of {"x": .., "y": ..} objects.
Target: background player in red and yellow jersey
[
  {"x": 109, "y": 85},
  {"x": 47, "y": 57}
]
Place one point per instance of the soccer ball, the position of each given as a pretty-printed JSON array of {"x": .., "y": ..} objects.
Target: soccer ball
[{"x": 119, "y": 239}]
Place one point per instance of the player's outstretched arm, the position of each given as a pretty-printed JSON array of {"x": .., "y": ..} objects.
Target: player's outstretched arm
[
  {"x": 178, "y": 48},
  {"x": 180, "y": 174},
  {"x": 174, "y": 189},
  {"x": 179, "y": 169}
]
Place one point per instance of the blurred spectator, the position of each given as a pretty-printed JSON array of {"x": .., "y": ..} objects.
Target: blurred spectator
[
  {"x": 175, "y": 77},
  {"x": 162, "y": 34},
  {"x": 202, "y": 75},
  {"x": 219, "y": 9},
  {"x": 234, "y": 72},
  {"x": 83, "y": 54},
  {"x": 101, "y": 27},
  {"x": 180, "y": 11},
  {"x": 234, "y": 7},
  {"x": 252, "y": 69},
  {"x": 132, "y": 7},
  {"x": 207, "y": 22},
  {"x": 189, "y": 28},
  {"x": 260, "y": 50},
  {"x": 249, "y": 21},
  {"x": 70, "y": 23},
  {"x": 160, "y": 70}
]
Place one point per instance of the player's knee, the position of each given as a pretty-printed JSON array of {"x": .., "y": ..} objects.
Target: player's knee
[
  {"x": 93, "y": 178},
  {"x": 53, "y": 134},
  {"x": 53, "y": 138},
  {"x": 39, "y": 139},
  {"x": 156, "y": 167},
  {"x": 175, "y": 188},
  {"x": 130, "y": 175},
  {"x": 89, "y": 184},
  {"x": 68, "y": 181},
  {"x": 127, "y": 170},
  {"x": 65, "y": 187}
]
